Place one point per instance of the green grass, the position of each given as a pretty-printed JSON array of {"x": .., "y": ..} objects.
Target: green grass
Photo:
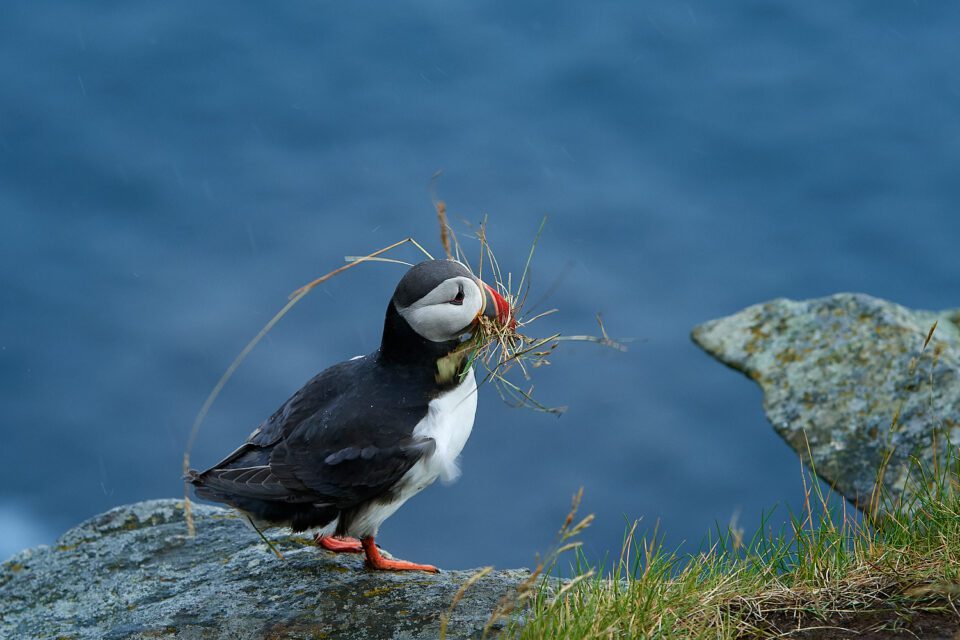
[
  {"x": 830, "y": 573},
  {"x": 829, "y": 570}
]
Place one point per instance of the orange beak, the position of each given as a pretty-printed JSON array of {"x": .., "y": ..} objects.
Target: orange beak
[{"x": 496, "y": 307}]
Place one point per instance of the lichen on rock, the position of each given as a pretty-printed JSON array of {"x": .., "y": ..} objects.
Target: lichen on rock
[
  {"x": 134, "y": 573},
  {"x": 846, "y": 376}
]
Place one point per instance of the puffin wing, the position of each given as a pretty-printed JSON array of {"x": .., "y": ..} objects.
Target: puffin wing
[
  {"x": 321, "y": 390},
  {"x": 359, "y": 445},
  {"x": 324, "y": 475},
  {"x": 346, "y": 437},
  {"x": 246, "y": 472},
  {"x": 351, "y": 475}
]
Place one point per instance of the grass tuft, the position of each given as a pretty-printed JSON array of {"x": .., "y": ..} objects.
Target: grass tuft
[
  {"x": 539, "y": 584},
  {"x": 827, "y": 573}
]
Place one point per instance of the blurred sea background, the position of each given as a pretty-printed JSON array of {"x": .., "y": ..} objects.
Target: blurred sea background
[{"x": 170, "y": 172}]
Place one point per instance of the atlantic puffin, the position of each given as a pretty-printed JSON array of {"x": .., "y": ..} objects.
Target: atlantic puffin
[{"x": 365, "y": 435}]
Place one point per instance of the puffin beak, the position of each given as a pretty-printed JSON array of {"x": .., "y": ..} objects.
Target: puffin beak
[{"x": 495, "y": 307}]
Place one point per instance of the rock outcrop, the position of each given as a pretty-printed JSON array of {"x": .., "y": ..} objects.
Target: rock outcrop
[
  {"x": 133, "y": 573},
  {"x": 847, "y": 381}
]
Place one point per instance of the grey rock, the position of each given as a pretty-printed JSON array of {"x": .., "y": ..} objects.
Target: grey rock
[
  {"x": 133, "y": 573},
  {"x": 847, "y": 377}
]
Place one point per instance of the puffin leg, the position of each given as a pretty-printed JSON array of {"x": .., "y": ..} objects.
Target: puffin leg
[
  {"x": 339, "y": 545},
  {"x": 376, "y": 561}
]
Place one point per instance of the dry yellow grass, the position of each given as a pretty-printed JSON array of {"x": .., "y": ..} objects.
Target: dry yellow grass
[{"x": 828, "y": 575}]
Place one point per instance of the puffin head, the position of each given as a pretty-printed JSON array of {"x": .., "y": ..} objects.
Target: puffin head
[{"x": 441, "y": 300}]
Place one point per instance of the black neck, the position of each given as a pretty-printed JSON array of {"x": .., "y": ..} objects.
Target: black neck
[{"x": 402, "y": 345}]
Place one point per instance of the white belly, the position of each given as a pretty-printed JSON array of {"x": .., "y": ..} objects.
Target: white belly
[{"x": 449, "y": 421}]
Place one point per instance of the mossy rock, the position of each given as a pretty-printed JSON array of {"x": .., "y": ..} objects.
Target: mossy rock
[
  {"x": 848, "y": 384},
  {"x": 134, "y": 573}
]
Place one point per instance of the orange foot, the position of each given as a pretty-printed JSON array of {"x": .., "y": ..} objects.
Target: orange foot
[
  {"x": 377, "y": 561},
  {"x": 340, "y": 545}
]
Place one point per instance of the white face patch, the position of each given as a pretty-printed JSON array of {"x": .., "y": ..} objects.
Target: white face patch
[{"x": 447, "y": 311}]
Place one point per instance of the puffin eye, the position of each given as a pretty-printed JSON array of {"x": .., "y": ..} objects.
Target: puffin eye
[{"x": 458, "y": 300}]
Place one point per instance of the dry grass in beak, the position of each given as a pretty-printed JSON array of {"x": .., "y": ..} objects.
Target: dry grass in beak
[{"x": 502, "y": 347}]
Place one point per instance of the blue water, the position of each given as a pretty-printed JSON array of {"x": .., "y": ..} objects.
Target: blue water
[{"x": 170, "y": 172}]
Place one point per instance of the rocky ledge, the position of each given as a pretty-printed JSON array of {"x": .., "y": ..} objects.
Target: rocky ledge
[
  {"x": 850, "y": 381},
  {"x": 134, "y": 573}
]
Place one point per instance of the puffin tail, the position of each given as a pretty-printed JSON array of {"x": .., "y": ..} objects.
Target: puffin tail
[
  {"x": 264, "y": 505},
  {"x": 204, "y": 492}
]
